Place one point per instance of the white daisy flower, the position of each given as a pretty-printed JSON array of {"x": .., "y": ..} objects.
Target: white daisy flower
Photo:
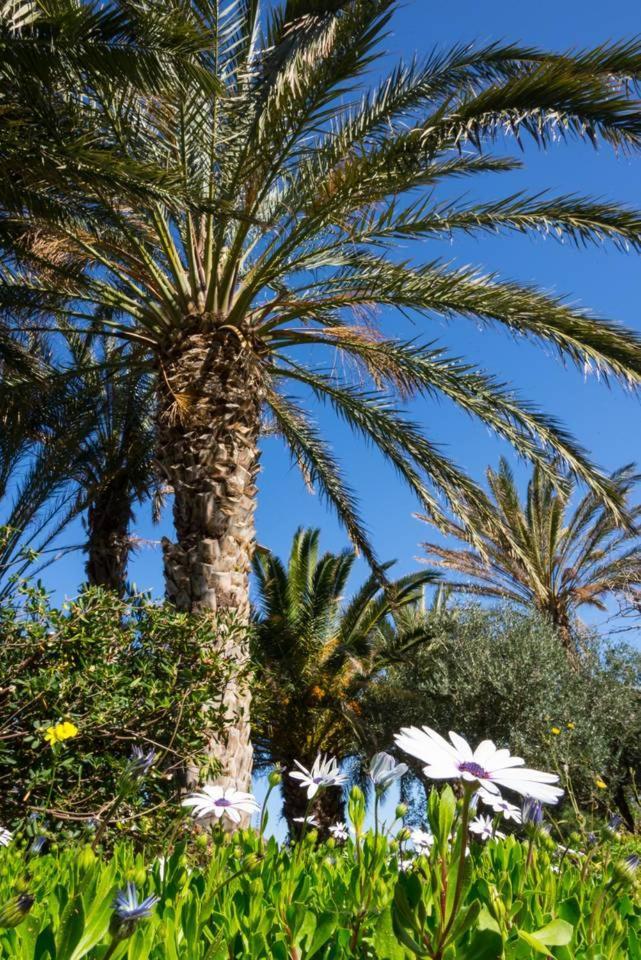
[
  {"x": 339, "y": 831},
  {"x": 405, "y": 864},
  {"x": 310, "y": 821},
  {"x": 5, "y": 837},
  {"x": 422, "y": 840},
  {"x": 499, "y": 804},
  {"x": 216, "y": 801},
  {"x": 324, "y": 773},
  {"x": 487, "y": 765},
  {"x": 483, "y": 827}
]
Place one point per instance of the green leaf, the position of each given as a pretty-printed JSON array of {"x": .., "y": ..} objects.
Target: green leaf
[
  {"x": 557, "y": 933},
  {"x": 71, "y": 928},
  {"x": 385, "y": 942},
  {"x": 325, "y": 927}
]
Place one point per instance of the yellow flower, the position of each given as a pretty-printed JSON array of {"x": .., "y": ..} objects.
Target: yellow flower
[
  {"x": 601, "y": 784},
  {"x": 60, "y": 732},
  {"x": 570, "y": 725},
  {"x": 556, "y": 731}
]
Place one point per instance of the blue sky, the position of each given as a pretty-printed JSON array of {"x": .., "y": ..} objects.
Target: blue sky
[{"x": 605, "y": 421}]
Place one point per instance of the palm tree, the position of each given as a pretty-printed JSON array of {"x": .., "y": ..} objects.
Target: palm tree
[
  {"x": 316, "y": 655},
  {"x": 284, "y": 188},
  {"x": 36, "y": 497},
  {"x": 98, "y": 466},
  {"x": 115, "y": 467},
  {"x": 545, "y": 553}
]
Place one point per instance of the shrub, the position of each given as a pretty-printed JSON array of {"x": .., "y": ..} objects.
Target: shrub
[
  {"x": 124, "y": 674},
  {"x": 502, "y": 674}
]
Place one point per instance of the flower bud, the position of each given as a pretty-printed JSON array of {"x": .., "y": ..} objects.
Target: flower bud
[
  {"x": 202, "y": 841},
  {"x": 275, "y": 778},
  {"x": 356, "y": 808},
  {"x": 86, "y": 858},
  {"x": 15, "y": 910},
  {"x": 625, "y": 871},
  {"x": 401, "y": 811},
  {"x": 403, "y": 834}
]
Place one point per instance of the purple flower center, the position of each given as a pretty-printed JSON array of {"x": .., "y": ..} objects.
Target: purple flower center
[
  {"x": 223, "y": 803},
  {"x": 319, "y": 780},
  {"x": 474, "y": 768}
]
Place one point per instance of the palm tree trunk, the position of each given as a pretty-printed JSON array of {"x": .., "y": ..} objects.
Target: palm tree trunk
[
  {"x": 329, "y": 809},
  {"x": 209, "y": 421},
  {"x": 563, "y": 625},
  {"x": 108, "y": 543},
  {"x": 294, "y": 802}
]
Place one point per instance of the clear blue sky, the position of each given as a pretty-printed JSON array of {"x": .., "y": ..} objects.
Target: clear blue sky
[{"x": 605, "y": 421}]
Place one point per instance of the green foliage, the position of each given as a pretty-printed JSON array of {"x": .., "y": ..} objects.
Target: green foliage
[
  {"x": 543, "y": 553},
  {"x": 316, "y": 652},
  {"x": 125, "y": 674},
  {"x": 502, "y": 674},
  {"x": 254, "y": 900}
]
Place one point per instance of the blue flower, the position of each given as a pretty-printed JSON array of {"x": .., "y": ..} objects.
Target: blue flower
[
  {"x": 38, "y": 845},
  {"x": 532, "y": 812},
  {"x": 140, "y": 763},
  {"x": 129, "y": 910}
]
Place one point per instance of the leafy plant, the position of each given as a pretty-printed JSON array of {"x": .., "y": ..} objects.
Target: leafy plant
[
  {"x": 368, "y": 897},
  {"x": 502, "y": 674},
  {"x": 124, "y": 674}
]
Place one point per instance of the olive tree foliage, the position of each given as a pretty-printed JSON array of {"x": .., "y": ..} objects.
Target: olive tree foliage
[{"x": 501, "y": 673}]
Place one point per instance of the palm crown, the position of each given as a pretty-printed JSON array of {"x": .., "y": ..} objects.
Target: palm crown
[
  {"x": 545, "y": 553},
  {"x": 294, "y": 180},
  {"x": 36, "y": 459}
]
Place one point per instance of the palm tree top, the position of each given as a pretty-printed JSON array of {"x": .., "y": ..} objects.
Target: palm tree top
[
  {"x": 548, "y": 551},
  {"x": 317, "y": 648},
  {"x": 278, "y": 186}
]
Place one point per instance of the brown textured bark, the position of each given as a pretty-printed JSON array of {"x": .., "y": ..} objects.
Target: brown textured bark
[
  {"x": 108, "y": 542},
  {"x": 563, "y": 626},
  {"x": 208, "y": 443}
]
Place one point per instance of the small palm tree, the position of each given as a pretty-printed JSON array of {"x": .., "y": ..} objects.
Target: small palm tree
[
  {"x": 316, "y": 654},
  {"x": 281, "y": 188},
  {"x": 545, "y": 553}
]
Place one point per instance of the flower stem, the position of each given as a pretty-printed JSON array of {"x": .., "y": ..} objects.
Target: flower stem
[{"x": 458, "y": 889}]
